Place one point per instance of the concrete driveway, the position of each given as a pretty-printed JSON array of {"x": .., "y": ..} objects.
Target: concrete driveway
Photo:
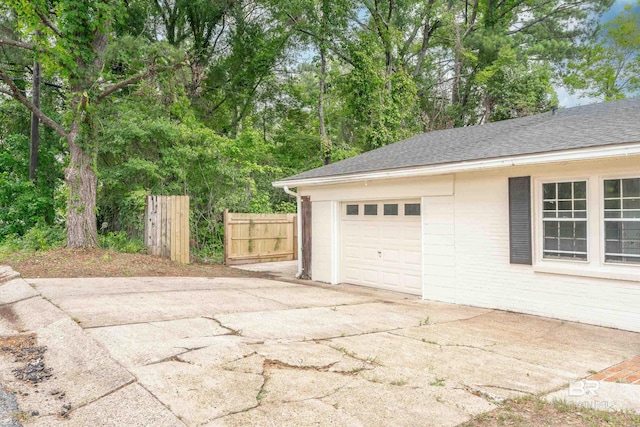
[{"x": 235, "y": 352}]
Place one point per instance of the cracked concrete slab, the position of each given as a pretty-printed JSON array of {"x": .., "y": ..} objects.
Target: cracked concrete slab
[
  {"x": 310, "y": 354},
  {"x": 291, "y": 385},
  {"x": 198, "y": 395},
  {"x": 222, "y": 350},
  {"x": 381, "y": 404},
  {"x": 57, "y": 288},
  {"x": 323, "y": 322},
  {"x": 485, "y": 370},
  {"x": 110, "y": 310},
  {"x": 28, "y": 315},
  {"x": 144, "y": 343},
  {"x": 82, "y": 371},
  {"x": 235, "y": 351},
  {"x": 15, "y": 290},
  {"x": 306, "y": 413},
  {"x": 130, "y": 406}
]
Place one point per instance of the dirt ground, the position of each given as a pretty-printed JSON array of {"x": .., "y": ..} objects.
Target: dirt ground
[{"x": 62, "y": 262}]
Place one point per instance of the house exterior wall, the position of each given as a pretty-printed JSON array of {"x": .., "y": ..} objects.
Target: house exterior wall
[
  {"x": 585, "y": 291},
  {"x": 465, "y": 241}
]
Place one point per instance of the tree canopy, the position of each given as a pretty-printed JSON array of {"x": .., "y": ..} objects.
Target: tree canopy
[{"x": 216, "y": 99}]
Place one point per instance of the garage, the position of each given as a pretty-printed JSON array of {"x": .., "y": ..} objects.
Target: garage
[{"x": 380, "y": 245}]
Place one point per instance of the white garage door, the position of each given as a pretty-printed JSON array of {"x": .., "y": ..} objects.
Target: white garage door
[{"x": 380, "y": 243}]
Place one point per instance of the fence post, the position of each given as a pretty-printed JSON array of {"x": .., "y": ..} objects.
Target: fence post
[{"x": 226, "y": 235}]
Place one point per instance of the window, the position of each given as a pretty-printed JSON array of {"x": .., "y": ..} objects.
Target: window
[
  {"x": 391, "y": 209},
  {"x": 622, "y": 220},
  {"x": 412, "y": 209},
  {"x": 564, "y": 217},
  {"x": 371, "y": 209},
  {"x": 352, "y": 209}
]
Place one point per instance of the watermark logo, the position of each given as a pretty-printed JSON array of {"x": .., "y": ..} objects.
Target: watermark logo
[{"x": 584, "y": 388}]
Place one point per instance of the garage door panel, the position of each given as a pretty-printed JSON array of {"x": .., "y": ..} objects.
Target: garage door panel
[
  {"x": 413, "y": 258},
  {"x": 370, "y": 275},
  {"x": 413, "y": 281},
  {"x": 391, "y": 279},
  {"x": 382, "y": 251},
  {"x": 391, "y": 255},
  {"x": 391, "y": 231}
]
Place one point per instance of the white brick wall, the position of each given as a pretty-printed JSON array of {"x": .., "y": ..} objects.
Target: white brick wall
[{"x": 484, "y": 277}]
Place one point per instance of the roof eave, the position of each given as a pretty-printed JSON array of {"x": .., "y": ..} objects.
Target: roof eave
[{"x": 617, "y": 150}]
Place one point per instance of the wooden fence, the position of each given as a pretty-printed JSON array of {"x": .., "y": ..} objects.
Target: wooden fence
[
  {"x": 252, "y": 238},
  {"x": 167, "y": 227}
]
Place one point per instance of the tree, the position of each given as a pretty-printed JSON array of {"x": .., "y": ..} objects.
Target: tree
[
  {"x": 74, "y": 38},
  {"x": 609, "y": 64}
]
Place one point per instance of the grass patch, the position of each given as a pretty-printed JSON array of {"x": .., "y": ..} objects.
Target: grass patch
[{"x": 531, "y": 411}]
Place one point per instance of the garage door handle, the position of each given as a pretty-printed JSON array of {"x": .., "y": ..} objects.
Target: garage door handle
[{"x": 379, "y": 253}]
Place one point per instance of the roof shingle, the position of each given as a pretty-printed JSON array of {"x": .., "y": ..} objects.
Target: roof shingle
[{"x": 607, "y": 123}]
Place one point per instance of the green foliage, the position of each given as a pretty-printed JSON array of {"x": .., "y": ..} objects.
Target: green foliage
[
  {"x": 244, "y": 109},
  {"x": 119, "y": 241},
  {"x": 609, "y": 66},
  {"x": 38, "y": 238}
]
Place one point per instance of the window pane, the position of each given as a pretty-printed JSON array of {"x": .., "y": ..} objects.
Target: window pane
[
  {"x": 371, "y": 209},
  {"x": 550, "y": 244},
  {"x": 631, "y": 187},
  {"x": 565, "y": 206},
  {"x": 391, "y": 209},
  {"x": 551, "y": 229},
  {"x": 612, "y": 230},
  {"x": 611, "y": 188},
  {"x": 580, "y": 205},
  {"x": 631, "y": 214},
  {"x": 580, "y": 190},
  {"x": 564, "y": 190},
  {"x": 612, "y": 204},
  {"x": 549, "y": 191},
  {"x": 566, "y": 229},
  {"x": 411, "y": 209},
  {"x": 622, "y": 241},
  {"x": 612, "y": 246},
  {"x": 581, "y": 245},
  {"x": 612, "y": 214},
  {"x": 631, "y": 203},
  {"x": 550, "y": 206},
  {"x": 580, "y": 214},
  {"x": 581, "y": 229},
  {"x": 352, "y": 209}
]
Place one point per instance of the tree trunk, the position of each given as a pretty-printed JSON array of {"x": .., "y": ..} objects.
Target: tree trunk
[
  {"x": 82, "y": 231},
  {"x": 35, "y": 125},
  {"x": 324, "y": 140}
]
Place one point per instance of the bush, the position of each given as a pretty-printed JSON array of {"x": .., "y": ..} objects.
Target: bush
[
  {"x": 38, "y": 238},
  {"x": 119, "y": 241}
]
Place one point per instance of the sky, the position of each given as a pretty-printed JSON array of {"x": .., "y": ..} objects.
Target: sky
[{"x": 565, "y": 99}]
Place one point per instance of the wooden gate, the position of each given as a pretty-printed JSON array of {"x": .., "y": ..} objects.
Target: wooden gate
[
  {"x": 167, "y": 227},
  {"x": 252, "y": 238}
]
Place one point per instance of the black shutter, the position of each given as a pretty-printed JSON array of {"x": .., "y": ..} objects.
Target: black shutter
[{"x": 520, "y": 220}]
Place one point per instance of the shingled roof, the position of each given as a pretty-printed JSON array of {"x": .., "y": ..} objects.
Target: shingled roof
[{"x": 596, "y": 125}]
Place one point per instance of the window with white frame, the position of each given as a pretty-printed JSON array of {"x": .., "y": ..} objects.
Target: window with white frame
[
  {"x": 564, "y": 217},
  {"x": 622, "y": 220}
]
